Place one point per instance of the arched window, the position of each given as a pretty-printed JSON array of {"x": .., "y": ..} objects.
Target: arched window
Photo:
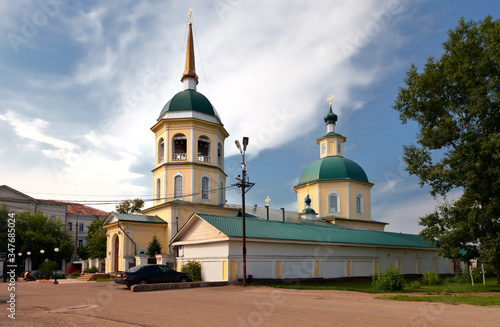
[
  {"x": 219, "y": 154},
  {"x": 204, "y": 149},
  {"x": 161, "y": 150},
  {"x": 359, "y": 204},
  {"x": 178, "y": 187},
  {"x": 179, "y": 142},
  {"x": 158, "y": 189},
  {"x": 334, "y": 202},
  {"x": 221, "y": 193},
  {"x": 204, "y": 188}
]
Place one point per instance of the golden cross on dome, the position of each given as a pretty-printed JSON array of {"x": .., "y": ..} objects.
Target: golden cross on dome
[
  {"x": 330, "y": 98},
  {"x": 267, "y": 201},
  {"x": 189, "y": 15},
  {"x": 308, "y": 187}
]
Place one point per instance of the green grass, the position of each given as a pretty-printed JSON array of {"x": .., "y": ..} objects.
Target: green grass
[
  {"x": 447, "y": 286},
  {"x": 449, "y": 299},
  {"x": 105, "y": 280}
]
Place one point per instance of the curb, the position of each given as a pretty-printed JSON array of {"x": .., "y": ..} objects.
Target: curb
[{"x": 173, "y": 286}]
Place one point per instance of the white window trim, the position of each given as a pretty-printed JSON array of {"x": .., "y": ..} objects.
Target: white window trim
[
  {"x": 201, "y": 187},
  {"x": 339, "y": 210},
  {"x": 361, "y": 204},
  {"x": 182, "y": 186}
]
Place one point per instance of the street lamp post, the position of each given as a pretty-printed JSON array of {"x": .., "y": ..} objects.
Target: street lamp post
[
  {"x": 55, "y": 272},
  {"x": 29, "y": 261},
  {"x": 41, "y": 272},
  {"x": 243, "y": 184}
]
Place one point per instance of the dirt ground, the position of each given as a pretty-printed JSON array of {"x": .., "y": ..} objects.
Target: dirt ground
[{"x": 74, "y": 303}]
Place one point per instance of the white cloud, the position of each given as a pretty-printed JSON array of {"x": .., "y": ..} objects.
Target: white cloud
[{"x": 34, "y": 130}]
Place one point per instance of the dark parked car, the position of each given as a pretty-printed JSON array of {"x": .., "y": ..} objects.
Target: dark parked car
[{"x": 151, "y": 274}]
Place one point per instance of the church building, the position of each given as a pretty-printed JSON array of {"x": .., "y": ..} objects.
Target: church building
[{"x": 331, "y": 235}]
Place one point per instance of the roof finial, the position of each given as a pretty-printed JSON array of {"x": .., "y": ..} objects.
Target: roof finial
[
  {"x": 330, "y": 98},
  {"x": 189, "y": 78}
]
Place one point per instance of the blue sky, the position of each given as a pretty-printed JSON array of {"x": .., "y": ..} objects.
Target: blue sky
[{"x": 82, "y": 83}]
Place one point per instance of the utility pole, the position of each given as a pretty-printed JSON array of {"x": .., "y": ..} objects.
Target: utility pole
[{"x": 243, "y": 185}]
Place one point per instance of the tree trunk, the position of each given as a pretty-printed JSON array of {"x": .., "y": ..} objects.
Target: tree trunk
[{"x": 496, "y": 262}]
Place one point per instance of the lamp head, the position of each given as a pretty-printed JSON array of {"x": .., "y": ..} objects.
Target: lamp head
[
  {"x": 245, "y": 143},
  {"x": 42, "y": 251},
  {"x": 56, "y": 250},
  {"x": 238, "y": 145}
]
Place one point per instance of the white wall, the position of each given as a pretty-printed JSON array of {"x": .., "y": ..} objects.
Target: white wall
[{"x": 298, "y": 260}]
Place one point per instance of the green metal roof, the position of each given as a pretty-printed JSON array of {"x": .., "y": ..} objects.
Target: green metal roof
[
  {"x": 333, "y": 168},
  {"x": 138, "y": 218},
  {"x": 189, "y": 100},
  {"x": 268, "y": 229}
]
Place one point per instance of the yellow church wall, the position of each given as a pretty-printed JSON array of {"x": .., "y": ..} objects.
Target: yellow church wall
[
  {"x": 141, "y": 234},
  {"x": 365, "y": 191},
  {"x": 360, "y": 224},
  {"x": 327, "y": 188}
]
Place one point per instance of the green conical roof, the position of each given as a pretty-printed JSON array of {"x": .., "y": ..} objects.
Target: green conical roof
[{"x": 333, "y": 168}]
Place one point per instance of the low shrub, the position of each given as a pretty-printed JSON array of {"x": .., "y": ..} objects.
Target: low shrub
[
  {"x": 61, "y": 276},
  {"x": 74, "y": 275},
  {"x": 194, "y": 268},
  {"x": 465, "y": 276},
  {"x": 389, "y": 280},
  {"x": 415, "y": 285},
  {"x": 89, "y": 270},
  {"x": 431, "y": 278}
]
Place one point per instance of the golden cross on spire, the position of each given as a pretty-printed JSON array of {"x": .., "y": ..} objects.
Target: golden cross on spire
[
  {"x": 267, "y": 201},
  {"x": 330, "y": 98},
  {"x": 308, "y": 187},
  {"x": 189, "y": 15}
]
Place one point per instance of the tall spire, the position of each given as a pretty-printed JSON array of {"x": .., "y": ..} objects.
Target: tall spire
[{"x": 189, "y": 78}]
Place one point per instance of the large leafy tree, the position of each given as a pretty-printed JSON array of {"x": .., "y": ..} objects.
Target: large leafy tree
[
  {"x": 35, "y": 232},
  {"x": 130, "y": 206},
  {"x": 96, "y": 240},
  {"x": 455, "y": 102}
]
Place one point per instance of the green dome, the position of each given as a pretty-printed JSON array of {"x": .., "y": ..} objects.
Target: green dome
[
  {"x": 189, "y": 100},
  {"x": 333, "y": 168},
  {"x": 330, "y": 117}
]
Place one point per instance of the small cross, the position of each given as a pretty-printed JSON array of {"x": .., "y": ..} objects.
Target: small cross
[
  {"x": 267, "y": 201},
  {"x": 189, "y": 15},
  {"x": 330, "y": 98},
  {"x": 308, "y": 187}
]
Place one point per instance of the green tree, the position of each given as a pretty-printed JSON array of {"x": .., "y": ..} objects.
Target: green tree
[
  {"x": 130, "y": 206},
  {"x": 35, "y": 232},
  {"x": 4, "y": 215},
  {"x": 96, "y": 240},
  {"x": 83, "y": 252},
  {"x": 455, "y": 102},
  {"x": 154, "y": 247}
]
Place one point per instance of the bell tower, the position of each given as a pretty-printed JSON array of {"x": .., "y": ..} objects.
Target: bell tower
[{"x": 189, "y": 143}]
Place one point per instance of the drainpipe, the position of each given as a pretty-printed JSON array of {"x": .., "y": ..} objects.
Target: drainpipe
[
  {"x": 131, "y": 240},
  {"x": 283, "y": 214}
]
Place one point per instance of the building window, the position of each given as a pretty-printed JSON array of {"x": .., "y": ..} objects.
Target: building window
[
  {"x": 158, "y": 189},
  {"x": 52, "y": 217},
  {"x": 178, "y": 187},
  {"x": 333, "y": 203},
  {"x": 279, "y": 272},
  {"x": 398, "y": 265},
  {"x": 338, "y": 150},
  {"x": 161, "y": 150},
  {"x": 419, "y": 267},
  {"x": 179, "y": 143},
  {"x": 359, "y": 204},
  {"x": 204, "y": 149},
  {"x": 323, "y": 149},
  {"x": 375, "y": 267},
  {"x": 348, "y": 268},
  {"x": 70, "y": 227},
  {"x": 317, "y": 268},
  {"x": 204, "y": 188},
  {"x": 436, "y": 266},
  {"x": 80, "y": 242},
  {"x": 221, "y": 193},
  {"x": 80, "y": 227},
  {"x": 219, "y": 155}
]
